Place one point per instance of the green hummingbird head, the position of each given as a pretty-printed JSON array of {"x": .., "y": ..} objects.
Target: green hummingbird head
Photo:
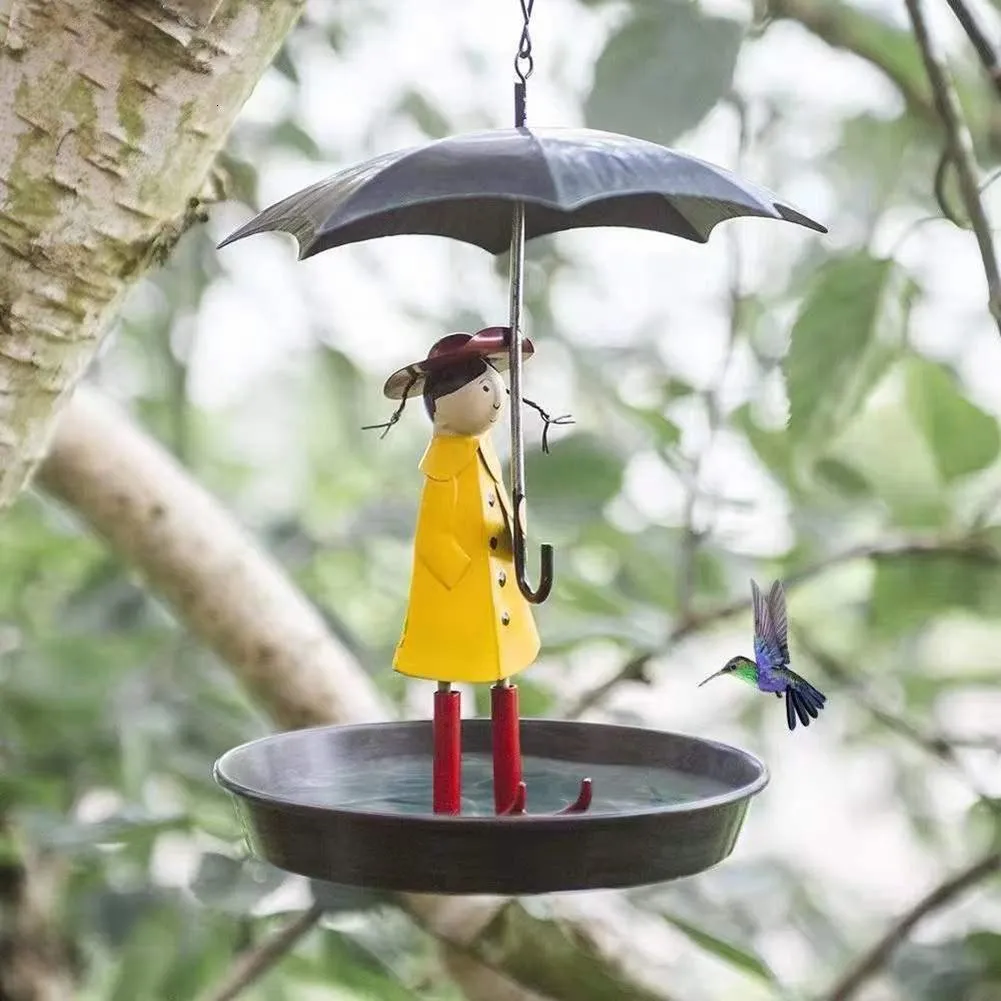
[{"x": 740, "y": 667}]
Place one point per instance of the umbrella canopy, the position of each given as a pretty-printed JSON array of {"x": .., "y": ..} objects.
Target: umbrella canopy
[{"x": 464, "y": 187}]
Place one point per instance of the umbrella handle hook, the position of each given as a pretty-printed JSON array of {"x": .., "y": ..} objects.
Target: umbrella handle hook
[{"x": 537, "y": 595}]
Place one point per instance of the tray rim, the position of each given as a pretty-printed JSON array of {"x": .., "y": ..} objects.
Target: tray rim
[{"x": 244, "y": 792}]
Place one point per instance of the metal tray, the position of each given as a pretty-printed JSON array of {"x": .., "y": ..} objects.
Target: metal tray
[{"x": 351, "y": 804}]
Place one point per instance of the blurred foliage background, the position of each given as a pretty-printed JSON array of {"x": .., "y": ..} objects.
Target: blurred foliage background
[{"x": 771, "y": 404}]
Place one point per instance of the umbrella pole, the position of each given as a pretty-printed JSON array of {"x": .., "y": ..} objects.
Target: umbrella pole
[{"x": 517, "y": 278}]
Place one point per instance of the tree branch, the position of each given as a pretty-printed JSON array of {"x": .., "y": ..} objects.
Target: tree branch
[
  {"x": 877, "y": 957},
  {"x": 554, "y": 958},
  {"x": 883, "y": 46},
  {"x": 231, "y": 596},
  {"x": 635, "y": 668},
  {"x": 959, "y": 143},
  {"x": 843, "y": 26},
  {"x": 224, "y": 589},
  {"x": 256, "y": 961},
  {"x": 941, "y": 747},
  {"x": 36, "y": 964},
  {"x": 985, "y": 51}
]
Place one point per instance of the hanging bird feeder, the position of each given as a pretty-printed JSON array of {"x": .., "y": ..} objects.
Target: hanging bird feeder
[{"x": 498, "y": 805}]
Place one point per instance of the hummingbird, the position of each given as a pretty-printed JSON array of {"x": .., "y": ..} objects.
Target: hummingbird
[{"x": 769, "y": 671}]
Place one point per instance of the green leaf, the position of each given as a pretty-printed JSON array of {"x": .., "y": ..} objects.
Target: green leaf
[
  {"x": 239, "y": 177},
  {"x": 849, "y": 329},
  {"x": 983, "y": 823},
  {"x": 555, "y": 958},
  {"x": 53, "y": 832},
  {"x": 771, "y": 447},
  {"x": 226, "y": 884},
  {"x": 147, "y": 956},
  {"x": 202, "y": 950},
  {"x": 962, "y": 438},
  {"x": 575, "y": 481},
  {"x": 292, "y": 135},
  {"x": 985, "y": 946},
  {"x": 649, "y": 573},
  {"x": 425, "y": 115},
  {"x": 736, "y": 956},
  {"x": 881, "y": 162},
  {"x": 885, "y": 447},
  {"x": 349, "y": 963},
  {"x": 337, "y": 898},
  {"x": 285, "y": 64},
  {"x": 909, "y": 591},
  {"x": 842, "y": 478},
  {"x": 666, "y": 433},
  {"x": 663, "y": 71},
  {"x": 953, "y": 970}
]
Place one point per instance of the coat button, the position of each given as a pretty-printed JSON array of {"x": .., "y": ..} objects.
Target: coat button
[
  {"x": 505, "y": 618},
  {"x": 502, "y": 578},
  {"x": 493, "y": 541}
]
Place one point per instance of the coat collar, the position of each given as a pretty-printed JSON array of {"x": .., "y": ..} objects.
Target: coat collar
[
  {"x": 490, "y": 460},
  {"x": 448, "y": 455}
]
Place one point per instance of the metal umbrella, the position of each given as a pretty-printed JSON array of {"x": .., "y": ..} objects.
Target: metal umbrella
[{"x": 466, "y": 187}]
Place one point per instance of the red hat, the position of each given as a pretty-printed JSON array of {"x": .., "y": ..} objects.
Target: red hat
[{"x": 489, "y": 344}]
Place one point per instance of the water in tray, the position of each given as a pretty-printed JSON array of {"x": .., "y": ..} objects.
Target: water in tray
[{"x": 403, "y": 785}]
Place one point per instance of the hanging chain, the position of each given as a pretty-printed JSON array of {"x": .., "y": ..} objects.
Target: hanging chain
[{"x": 523, "y": 61}]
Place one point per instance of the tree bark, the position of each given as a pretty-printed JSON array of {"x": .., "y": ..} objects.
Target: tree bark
[
  {"x": 111, "y": 113},
  {"x": 36, "y": 962}
]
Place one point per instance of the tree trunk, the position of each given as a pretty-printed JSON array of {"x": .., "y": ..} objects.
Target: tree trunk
[{"x": 111, "y": 113}]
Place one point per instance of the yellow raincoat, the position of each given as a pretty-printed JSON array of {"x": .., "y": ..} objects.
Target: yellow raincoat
[{"x": 466, "y": 619}]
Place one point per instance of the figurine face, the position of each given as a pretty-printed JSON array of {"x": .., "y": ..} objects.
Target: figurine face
[{"x": 471, "y": 409}]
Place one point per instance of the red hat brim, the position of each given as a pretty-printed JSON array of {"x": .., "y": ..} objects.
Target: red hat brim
[{"x": 489, "y": 344}]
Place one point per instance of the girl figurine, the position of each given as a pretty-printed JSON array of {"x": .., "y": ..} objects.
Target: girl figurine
[{"x": 466, "y": 619}]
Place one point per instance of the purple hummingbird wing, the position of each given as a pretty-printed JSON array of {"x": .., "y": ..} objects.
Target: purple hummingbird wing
[
  {"x": 779, "y": 618},
  {"x": 768, "y": 647},
  {"x": 762, "y": 617}
]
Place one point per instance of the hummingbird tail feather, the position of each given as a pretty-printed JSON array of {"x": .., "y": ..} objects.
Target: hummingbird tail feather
[
  {"x": 808, "y": 704},
  {"x": 804, "y": 686},
  {"x": 803, "y": 702},
  {"x": 809, "y": 699},
  {"x": 798, "y": 703}
]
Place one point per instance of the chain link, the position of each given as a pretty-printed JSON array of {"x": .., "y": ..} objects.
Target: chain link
[{"x": 524, "y": 63}]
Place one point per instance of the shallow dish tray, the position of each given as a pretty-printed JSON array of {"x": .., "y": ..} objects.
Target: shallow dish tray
[{"x": 351, "y": 804}]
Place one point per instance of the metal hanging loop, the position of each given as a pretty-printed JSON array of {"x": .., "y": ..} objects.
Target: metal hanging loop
[{"x": 524, "y": 63}]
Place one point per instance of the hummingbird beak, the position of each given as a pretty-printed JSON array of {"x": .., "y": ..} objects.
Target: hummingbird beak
[{"x": 710, "y": 678}]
